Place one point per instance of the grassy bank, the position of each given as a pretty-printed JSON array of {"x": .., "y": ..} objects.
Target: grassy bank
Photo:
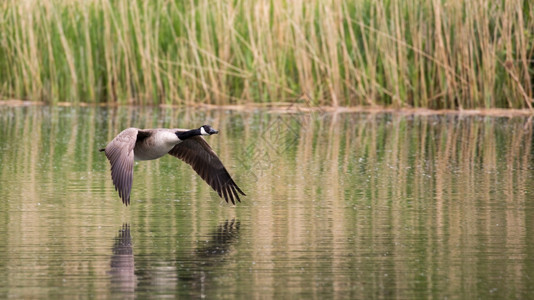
[{"x": 457, "y": 54}]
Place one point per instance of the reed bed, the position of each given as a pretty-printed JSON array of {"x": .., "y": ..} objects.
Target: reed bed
[{"x": 454, "y": 54}]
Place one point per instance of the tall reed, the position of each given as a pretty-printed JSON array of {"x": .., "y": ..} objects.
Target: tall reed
[{"x": 433, "y": 54}]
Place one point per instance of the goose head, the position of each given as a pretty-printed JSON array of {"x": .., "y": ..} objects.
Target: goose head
[{"x": 207, "y": 130}]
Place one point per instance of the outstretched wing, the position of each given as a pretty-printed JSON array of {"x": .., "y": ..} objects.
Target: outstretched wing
[
  {"x": 121, "y": 156},
  {"x": 197, "y": 152}
]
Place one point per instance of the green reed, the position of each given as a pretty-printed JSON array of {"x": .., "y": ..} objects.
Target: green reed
[{"x": 432, "y": 54}]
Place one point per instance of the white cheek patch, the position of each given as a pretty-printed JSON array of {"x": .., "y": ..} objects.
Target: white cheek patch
[{"x": 203, "y": 132}]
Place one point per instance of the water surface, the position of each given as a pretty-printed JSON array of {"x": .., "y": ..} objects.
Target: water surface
[{"x": 338, "y": 206}]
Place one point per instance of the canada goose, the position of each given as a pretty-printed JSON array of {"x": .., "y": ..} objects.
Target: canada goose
[{"x": 188, "y": 145}]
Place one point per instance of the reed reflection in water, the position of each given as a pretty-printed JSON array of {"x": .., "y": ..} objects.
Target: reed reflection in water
[{"x": 338, "y": 205}]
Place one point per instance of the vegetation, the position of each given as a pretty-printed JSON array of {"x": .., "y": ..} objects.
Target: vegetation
[{"x": 432, "y": 54}]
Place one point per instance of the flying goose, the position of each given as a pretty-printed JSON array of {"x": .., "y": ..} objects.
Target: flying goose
[{"x": 188, "y": 145}]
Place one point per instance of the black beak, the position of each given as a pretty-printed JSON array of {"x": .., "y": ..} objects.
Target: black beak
[{"x": 213, "y": 131}]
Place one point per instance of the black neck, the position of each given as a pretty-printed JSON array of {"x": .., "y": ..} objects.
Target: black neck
[{"x": 188, "y": 134}]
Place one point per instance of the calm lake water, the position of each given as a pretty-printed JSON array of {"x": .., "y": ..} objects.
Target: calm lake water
[{"x": 338, "y": 206}]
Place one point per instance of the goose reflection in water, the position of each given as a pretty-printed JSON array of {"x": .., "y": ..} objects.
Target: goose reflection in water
[
  {"x": 213, "y": 251},
  {"x": 193, "y": 269},
  {"x": 123, "y": 278}
]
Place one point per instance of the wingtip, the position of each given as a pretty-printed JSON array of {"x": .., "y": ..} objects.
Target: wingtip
[{"x": 238, "y": 189}]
